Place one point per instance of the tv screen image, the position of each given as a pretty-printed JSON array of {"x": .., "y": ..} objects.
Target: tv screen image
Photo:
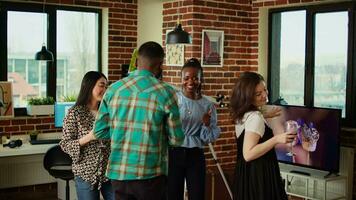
[
  {"x": 60, "y": 111},
  {"x": 317, "y": 142}
]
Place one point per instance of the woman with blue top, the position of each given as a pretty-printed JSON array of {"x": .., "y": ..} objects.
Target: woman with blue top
[{"x": 199, "y": 122}]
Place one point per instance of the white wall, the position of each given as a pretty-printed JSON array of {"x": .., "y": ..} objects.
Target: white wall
[
  {"x": 149, "y": 21},
  {"x": 263, "y": 43}
]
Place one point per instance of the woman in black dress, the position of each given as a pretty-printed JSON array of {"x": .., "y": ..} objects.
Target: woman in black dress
[{"x": 257, "y": 171}]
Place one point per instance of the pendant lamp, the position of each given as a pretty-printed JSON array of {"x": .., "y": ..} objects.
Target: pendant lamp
[
  {"x": 178, "y": 35},
  {"x": 44, "y": 54}
]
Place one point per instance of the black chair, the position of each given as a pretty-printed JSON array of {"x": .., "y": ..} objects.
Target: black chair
[{"x": 59, "y": 165}]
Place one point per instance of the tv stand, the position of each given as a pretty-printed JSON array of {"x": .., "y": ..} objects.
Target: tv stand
[
  {"x": 311, "y": 186},
  {"x": 331, "y": 174},
  {"x": 299, "y": 172}
]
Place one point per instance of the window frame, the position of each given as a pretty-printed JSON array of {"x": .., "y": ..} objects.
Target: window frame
[
  {"x": 350, "y": 7},
  {"x": 51, "y": 11}
]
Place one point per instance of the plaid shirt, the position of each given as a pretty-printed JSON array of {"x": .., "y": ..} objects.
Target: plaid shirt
[{"x": 141, "y": 117}]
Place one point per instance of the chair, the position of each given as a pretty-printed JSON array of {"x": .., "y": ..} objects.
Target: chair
[{"x": 59, "y": 165}]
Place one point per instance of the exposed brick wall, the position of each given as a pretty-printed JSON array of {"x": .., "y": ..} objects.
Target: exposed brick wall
[
  {"x": 239, "y": 21},
  {"x": 23, "y": 125},
  {"x": 240, "y": 54}
]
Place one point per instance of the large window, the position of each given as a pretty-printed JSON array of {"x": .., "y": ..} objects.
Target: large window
[
  {"x": 72, "y": 34},
  {"x": 311, "y": 57}
]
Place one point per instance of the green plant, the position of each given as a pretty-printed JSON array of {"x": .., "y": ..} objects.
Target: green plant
[
  {"x": 33, "y": 134},
  {"x": 41, "y": 101},
  {"x": 69, "y": 98}
]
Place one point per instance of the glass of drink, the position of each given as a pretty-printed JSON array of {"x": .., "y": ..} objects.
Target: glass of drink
[{"x": 291, "y": 126}]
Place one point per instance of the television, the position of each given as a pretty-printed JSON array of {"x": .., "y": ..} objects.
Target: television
[
  {"x": 317, "y": 143},
  {"x": 60, "y": 111}
]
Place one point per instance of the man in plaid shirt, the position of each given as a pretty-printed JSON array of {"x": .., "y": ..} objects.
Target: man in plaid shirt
[{"x": 141, "y": 117}]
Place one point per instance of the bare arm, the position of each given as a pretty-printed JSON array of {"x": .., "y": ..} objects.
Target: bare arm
[{"x": 252, "y": 150}]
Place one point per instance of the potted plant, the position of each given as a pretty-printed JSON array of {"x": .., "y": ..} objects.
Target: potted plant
[
  {"x": 40, "y": 106},
  {"x": 69, "y": 98},
  {"x": 33, "y": 135}
]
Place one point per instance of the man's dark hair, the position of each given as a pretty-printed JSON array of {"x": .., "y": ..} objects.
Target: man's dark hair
[{"x": 151, "y": 51}]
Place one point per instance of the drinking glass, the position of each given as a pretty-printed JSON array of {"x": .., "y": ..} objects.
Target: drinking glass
[{"x": 291, "y": 126}]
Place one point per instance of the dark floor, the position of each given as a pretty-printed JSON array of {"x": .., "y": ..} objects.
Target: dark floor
[
  {"x": 36, "y": 192},
  {"x": 42, "y": 192}
]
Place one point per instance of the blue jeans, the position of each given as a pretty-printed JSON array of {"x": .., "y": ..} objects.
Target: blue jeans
[{"x": 84, "y": 191}]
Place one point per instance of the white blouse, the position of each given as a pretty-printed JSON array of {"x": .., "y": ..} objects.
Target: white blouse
[{"x": 252, "y": 121}]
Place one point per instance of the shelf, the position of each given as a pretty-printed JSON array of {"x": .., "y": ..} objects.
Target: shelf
[
  {"x": 300, "y": 191},
  {"x": 314, "y": 187}
]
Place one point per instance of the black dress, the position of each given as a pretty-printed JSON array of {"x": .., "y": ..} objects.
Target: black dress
[{"x": 258, "y": 179}]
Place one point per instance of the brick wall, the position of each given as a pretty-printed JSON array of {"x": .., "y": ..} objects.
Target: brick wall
[
  {"x": 239, "y": 21},
  {"x": 240, "y": 54}
]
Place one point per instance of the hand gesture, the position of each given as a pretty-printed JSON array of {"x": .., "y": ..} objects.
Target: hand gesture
[
  {"x": 206, "y": 118},
  {"x": 274, "y": 112}
]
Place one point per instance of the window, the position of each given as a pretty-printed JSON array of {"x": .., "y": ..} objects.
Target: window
[
  {"x": 310, "y": 60},
  {"x": 72, "y": 34},
  {"x": 77, "y": 48},
  {"x": 288, "y": 29}
]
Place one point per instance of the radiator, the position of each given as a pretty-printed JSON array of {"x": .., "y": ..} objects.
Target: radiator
[{"x": 22, "y": 171}]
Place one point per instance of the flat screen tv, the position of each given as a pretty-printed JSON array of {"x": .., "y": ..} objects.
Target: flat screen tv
[
  {"x": 317, "y": 143},
  {"x": 60, "y": 111}
]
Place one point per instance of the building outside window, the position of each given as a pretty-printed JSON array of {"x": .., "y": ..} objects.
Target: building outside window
[
  {"x": 72, "y": 34},
  {"x": 311, "y": 56}
]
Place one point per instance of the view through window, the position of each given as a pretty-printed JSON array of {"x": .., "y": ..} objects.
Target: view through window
[
  {"x": 331, "y": 60},
  {"x": 323, "y": 81},
  {"x": 77, "y": 52},
  {"x": 27, "y": 75}
]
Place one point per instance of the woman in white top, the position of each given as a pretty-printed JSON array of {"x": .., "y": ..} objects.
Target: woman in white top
[{"x": 257, "y": 171}]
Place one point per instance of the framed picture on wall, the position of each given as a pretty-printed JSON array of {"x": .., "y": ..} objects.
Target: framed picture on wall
[
  {"x": 6, "y": 103},
  {"x": 175, "y": 55},
  {"x": 212, "y": 48}
]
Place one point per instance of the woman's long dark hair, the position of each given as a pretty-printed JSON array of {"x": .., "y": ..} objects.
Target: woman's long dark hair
[
  {"x": 194, "y": 63},
  {"x": 86, "y": 88},
  {"x": 243, "y": 95}
]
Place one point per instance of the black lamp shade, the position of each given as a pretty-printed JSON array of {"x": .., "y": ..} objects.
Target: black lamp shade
[
  {"x": 178, "y": 36},
  {"x": 44, "y": 54}
]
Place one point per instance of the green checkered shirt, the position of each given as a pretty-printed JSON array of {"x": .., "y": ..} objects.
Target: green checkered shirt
[{"x": 141, "y": 117}]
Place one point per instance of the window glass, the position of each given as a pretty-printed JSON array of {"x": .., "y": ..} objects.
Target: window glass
[
  {"x": 77, "y": 49},
  {"x": 10, "y": 65},
  {"x": 22, "y": 46},
  {"x": 331, "y": 35},
  {"x": 288, "y": 56},
  {"x": 33, "y": 72}
]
